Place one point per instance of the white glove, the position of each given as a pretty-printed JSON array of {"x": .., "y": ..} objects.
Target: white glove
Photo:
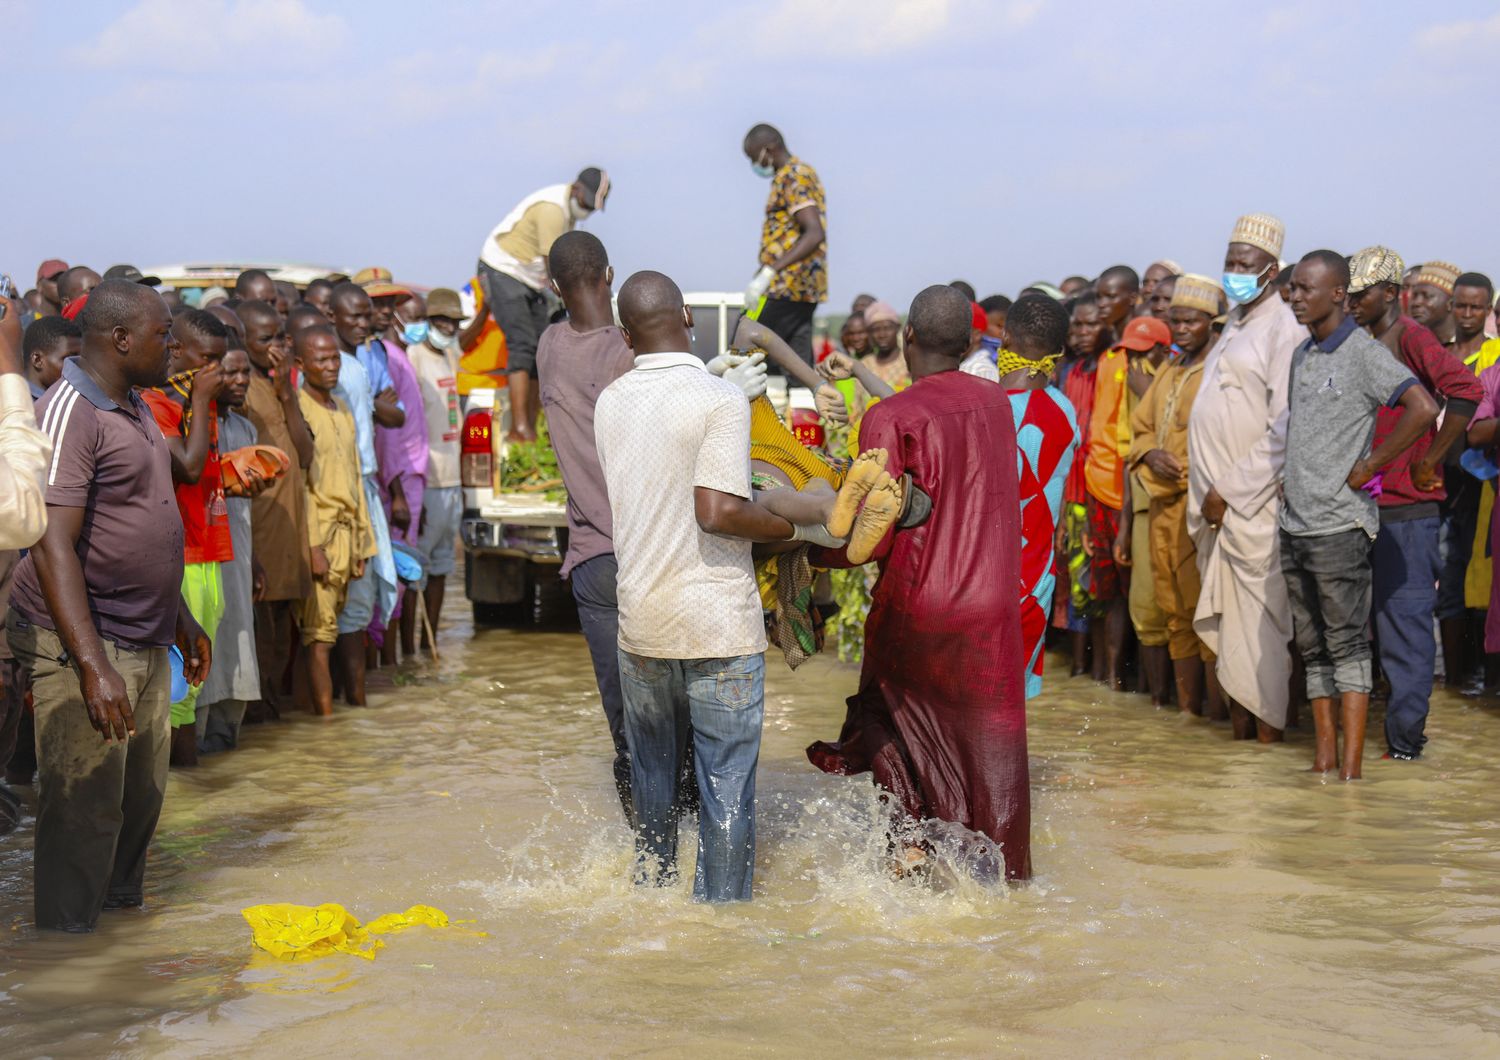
[
  {"x": 758, "y": 287},
  {"x": 831, "y": 404},
  {"x": 816, "y": 535},
  {"x": 749, "y": 375},
  {"x": 722, "y": 363}
]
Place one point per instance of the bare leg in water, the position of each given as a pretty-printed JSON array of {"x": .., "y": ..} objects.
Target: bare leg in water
[{"x": 1189, "y": 677}]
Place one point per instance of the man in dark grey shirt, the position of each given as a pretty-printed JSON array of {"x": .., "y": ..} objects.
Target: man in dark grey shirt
[
  {"x": 95, "y": 607},
  {"x": 1341, "y": 377}
]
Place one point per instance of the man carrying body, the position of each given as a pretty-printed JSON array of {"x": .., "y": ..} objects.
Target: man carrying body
[
  {"x": 278, "y": 516},
  {"x": 577, "y": 359},
  {"x": 101, "y": 590},
  {"x": 514, "y": 275},
  {"x": 673, "y": 444},
  {"x": 1405, "y": 562},
  {"x": 1341, "y": 377},
  {"x": 793, "y": 275},
  {"x": 939, "y": 717}
]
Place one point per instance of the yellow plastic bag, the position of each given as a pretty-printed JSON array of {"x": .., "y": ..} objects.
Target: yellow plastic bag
[{"x": 302, "y": 932}]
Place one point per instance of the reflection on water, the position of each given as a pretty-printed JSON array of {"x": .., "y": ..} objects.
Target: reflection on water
[{"x": 1192, "y": 894}]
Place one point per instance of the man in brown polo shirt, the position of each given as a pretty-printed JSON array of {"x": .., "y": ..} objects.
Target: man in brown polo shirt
[
  {"x": 278, "y": 517},
  {"x": 95, "y": 606}
]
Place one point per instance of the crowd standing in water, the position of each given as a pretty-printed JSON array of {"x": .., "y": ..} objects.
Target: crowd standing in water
[{"x": 1236, "y": 495}]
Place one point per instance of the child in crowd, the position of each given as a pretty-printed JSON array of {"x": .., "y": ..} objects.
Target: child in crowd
[
  {"x": 185, "y": 411},
  {"x": 340, "y": 536}
]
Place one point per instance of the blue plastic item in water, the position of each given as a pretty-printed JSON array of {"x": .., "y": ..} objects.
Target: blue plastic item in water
[
  {"x": 179, "y": 681},
  {"x": 1478, "y": 463}
]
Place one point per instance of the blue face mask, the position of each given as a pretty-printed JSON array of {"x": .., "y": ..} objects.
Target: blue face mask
[
  {"x": 764, "y": 172},
  {"x": 1242, "y": 287},
  {"x": 991, "y": 347},
  {"x": 415, "y": 333}
]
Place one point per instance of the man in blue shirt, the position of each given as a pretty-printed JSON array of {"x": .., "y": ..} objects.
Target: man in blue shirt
[{"x": 365, "y": 386}]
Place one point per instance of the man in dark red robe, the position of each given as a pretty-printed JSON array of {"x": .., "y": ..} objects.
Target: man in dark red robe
[{"x": 940, "y": 715}]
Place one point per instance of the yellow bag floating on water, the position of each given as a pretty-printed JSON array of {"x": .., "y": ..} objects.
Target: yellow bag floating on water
[{"x": 303, "y": 932}]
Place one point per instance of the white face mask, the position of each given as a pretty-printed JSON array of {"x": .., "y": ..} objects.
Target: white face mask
[
  {"x": 578, "y": 212},
  {"x": 437, "y": 340}
]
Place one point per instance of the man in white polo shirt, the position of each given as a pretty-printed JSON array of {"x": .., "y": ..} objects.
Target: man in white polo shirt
[{"x": 674, "y": 445}]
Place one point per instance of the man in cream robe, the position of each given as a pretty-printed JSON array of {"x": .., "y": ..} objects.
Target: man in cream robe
[{"x": 1236, "y": 443}]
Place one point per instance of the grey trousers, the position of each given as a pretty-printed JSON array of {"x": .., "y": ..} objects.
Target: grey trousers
[{"x": 97, "y": 801}]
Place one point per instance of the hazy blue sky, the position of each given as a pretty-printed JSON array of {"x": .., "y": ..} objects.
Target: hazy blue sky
[{"x": 998, "y": 141}]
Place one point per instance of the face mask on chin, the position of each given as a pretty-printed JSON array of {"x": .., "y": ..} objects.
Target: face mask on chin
[
  {"x": 437, "y": 340},
  {"x": 578, "y": 212}
]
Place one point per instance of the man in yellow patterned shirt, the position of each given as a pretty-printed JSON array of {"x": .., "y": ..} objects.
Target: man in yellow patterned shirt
[{"x": 793, "y": 275}]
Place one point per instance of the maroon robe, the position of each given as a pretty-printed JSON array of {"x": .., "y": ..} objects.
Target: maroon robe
[{"x": 940, "y": 715}]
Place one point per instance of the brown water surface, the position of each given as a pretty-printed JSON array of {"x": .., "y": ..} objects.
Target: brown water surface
[{"x": 1193, "y": 895}]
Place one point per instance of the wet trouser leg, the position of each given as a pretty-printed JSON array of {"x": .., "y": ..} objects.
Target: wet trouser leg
[
  {"x": 726, "y": 699},
  {"x": 599, "y": 615},
  {"x": 97, "y": 801},
  {"x": 1405, "y": 571}
]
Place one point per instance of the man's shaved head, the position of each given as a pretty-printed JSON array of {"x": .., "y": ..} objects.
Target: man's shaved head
[
  {"x": 302, "y": 317},
  {"x": 77, "y": 282},
  {"x": 321, "y": 330},
  {"x": 255, "y": 284},
  {"x": 577, "y": 258},
  {"x": 262, "y": 312},
  {"x": 118, "y": 304},
  {"x": 939, "y": 321},
  {"x": 649, "y": 302},
  {"x": 349, "y": 294},
  {"x": 761, "y": 136}
]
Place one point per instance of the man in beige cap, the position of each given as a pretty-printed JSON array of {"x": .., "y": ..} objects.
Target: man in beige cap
[
  {"x": 1236, "y": 445},
  {"x": 1159, "y": 460},
  {"x": 1431, "y": 299},
  {"x": 1405, "y": 559}
]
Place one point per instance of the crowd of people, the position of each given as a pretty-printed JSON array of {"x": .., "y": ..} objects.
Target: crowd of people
[
  {"x": 1236, "y": 494},
  {"x": 243, "y": 500}
]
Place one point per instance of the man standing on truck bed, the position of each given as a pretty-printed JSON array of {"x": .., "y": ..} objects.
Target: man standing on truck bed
[
  {"x": 514, "y": 274},
  {"x": 793, "y": 274}
]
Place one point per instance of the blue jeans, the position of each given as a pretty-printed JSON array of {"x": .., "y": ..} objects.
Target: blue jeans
[
  {"x": 720, "y": 704},
  {"x": 1405, "y": 569},
  {"x": 599, "y": 615}
]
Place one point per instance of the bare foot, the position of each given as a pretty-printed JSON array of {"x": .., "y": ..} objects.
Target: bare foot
[
  {"x": 882, "y": 509},
  {"x": 863, "y": 474}
]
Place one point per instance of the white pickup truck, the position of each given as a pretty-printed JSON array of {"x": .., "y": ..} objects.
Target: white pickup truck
[{"x": 514, "y": 543}]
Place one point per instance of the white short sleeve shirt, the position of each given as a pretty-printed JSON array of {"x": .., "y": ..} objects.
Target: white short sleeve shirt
[{"x": 662, "y": 429}]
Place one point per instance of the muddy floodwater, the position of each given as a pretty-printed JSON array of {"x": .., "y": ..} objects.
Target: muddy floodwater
[{"x": 1193, "y": 896}]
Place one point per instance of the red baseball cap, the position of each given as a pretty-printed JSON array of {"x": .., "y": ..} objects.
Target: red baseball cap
[
  {"x": 978, "y": 318},
  {"x": 1145, "y": 333},
  {"x": 50, "y": 268}
]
